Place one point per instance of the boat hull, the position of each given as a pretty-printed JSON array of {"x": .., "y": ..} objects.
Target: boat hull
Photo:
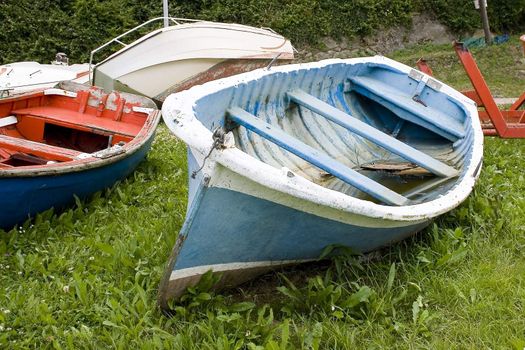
[
  {"x": 69, "y": 141},
  {"x": 266, "y": 235},
  {"x": 175, "y": 58},
  {"x": 23, "y": 197},
  {"x": 269, "y": 151},
  {"x": 19, "y": 77}
]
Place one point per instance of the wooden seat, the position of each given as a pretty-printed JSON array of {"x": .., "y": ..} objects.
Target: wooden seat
[
  {"x": 315, "y": 157},
  {"x": 38, "y": 149},
  {"x": 7, "y": 121},
  {"x": 405, "y": 107},
  {"x": 370, "y": 133},
  {"x": 80, "y": 121}
]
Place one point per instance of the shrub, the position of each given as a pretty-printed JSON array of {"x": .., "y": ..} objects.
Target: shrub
[{"x": 36, "y": 30}]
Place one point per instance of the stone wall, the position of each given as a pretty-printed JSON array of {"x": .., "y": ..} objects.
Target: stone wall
[{"x": 424, "y": 29}]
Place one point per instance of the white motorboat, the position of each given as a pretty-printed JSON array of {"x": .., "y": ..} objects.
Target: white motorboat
[{"x": 184, "y": 54}]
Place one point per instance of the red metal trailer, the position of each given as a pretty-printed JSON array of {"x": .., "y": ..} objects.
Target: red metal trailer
[{"x": 503, "y": 123}]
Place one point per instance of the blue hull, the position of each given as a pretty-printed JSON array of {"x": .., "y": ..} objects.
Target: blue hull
[
  {"x": 23, "y": 197},
  {"x": 359, "y": 153},
  {"x": 241, "y": 236},
  {"x": 257, "y": 230}
]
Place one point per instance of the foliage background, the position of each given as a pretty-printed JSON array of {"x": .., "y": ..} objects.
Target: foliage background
[{"x": 36, "y": 30}]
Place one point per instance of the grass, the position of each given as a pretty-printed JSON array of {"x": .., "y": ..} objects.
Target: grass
[{"x": 88, "y": 277}]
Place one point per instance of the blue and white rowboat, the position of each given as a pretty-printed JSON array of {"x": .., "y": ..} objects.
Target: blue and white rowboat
[{"x": 285, "y": 162}]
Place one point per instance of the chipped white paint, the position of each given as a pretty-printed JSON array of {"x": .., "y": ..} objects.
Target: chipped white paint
[
  {"x": 84, "y": 156},
  {"x": 227, "y": 166},
  {"x": 142, "y": 110}
]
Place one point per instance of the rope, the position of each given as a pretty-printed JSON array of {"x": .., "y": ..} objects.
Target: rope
[{"x": 218, "y": 143}]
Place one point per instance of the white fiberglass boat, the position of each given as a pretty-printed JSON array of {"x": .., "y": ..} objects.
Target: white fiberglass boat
[
  {"x": 20, "y": 77},
  {"x": 188, "y": 53}
]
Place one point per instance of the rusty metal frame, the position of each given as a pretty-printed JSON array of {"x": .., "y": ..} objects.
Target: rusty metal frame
[{"x": 503, "y": 123}]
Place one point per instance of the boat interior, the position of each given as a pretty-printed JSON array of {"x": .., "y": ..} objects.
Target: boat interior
[
  {"x": 367, "y": 130},
  {"x": 67, "y": 123}
]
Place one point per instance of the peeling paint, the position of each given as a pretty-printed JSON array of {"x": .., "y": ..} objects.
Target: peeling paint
[{"x": 178, "y": 113}]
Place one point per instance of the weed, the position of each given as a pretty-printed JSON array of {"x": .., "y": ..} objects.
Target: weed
[{"x": 88, "y": 277}]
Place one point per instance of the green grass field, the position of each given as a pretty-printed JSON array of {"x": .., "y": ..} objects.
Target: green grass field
[{"x": 88, "y": 277}]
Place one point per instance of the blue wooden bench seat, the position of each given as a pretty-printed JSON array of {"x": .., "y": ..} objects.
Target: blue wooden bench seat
[
  {"x": 370, "y": 133},
  {"x": 315, "y": 157},
  {"x": 405, "y": 107}
]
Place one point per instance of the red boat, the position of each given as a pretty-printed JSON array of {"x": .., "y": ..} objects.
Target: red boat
[{"x": 66, "y": 141}]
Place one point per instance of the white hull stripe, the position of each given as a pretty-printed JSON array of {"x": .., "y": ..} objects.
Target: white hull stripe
[{"x": 200, "y": 270}]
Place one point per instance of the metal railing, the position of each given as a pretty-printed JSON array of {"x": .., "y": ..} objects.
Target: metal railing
[{"x": 117, "y": 40}]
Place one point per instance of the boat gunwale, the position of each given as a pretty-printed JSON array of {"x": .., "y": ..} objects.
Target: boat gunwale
[
  {"x": 178, "y": 113},
  {"x": 77, "y": 165}
]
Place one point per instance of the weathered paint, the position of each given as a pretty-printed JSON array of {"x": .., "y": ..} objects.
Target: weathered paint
[
  {"x": 24, "y": 196},
  {"x": 261, "y": 207},
  {"x": 265, "y": 235},
  {"x": 370, "y": 133},
  {"x": 59, "y": 172},
  {"x": 220, "y": 70},
  {"x": 315, "y": 157}
]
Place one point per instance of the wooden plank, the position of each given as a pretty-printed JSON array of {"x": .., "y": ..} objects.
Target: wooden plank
[
  {"x": 503, "y": 128},
  {"x": 315, "y": 157},
  {"x": 80, "y": 121},
  {"x": 427, "y": 117},
  {"x": 370, "y": 133},
  {"x": 517, "y": 104},
  {"x": 6, "y": 121},
  {"x": 481, "y": 88},
  {"x": 38, "y": 149}
]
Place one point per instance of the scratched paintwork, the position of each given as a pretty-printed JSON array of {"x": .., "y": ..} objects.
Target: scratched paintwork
[
  {"x": 218, "y": 71},
  {"x": 66, "y": 171},
  {"x": 146, "y": 132},
  {"x": 254, "y": 181}
]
